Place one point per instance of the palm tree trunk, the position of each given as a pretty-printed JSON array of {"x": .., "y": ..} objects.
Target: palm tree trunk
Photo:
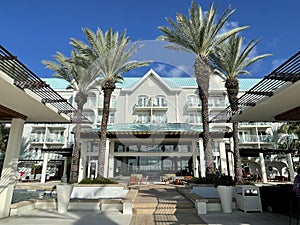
[
  {"x": 232, "y": 87},
  {"x": 80, "y": 100},
  {"x": 202, "y": 74},
  {"x": 237, "y": 157},
  {"x": 105, "y": 115}
]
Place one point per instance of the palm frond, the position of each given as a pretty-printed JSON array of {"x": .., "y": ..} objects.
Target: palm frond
[{"x": 231, "y": 59}]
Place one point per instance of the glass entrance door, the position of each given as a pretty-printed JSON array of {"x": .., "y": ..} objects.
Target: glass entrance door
[{"x": 92, "y": 169}]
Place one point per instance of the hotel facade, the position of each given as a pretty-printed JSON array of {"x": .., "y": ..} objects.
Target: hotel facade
[{"x": 154, "y": 129}]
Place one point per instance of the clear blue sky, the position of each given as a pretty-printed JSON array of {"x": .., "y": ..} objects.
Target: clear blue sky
[{"x": 34, "y": 30}]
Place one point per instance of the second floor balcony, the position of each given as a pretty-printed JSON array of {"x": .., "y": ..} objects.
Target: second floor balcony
[
  {"x": 145, "y": 103},
  {"x": 53, "y": 138},
  {"x": 255, "y": 139}
]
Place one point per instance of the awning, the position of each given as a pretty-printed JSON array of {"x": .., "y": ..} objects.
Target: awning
[
  {"x": 145, "y": 130},
  {"x": 61, "y": 151},
  {"x": 254, "y": 152}
]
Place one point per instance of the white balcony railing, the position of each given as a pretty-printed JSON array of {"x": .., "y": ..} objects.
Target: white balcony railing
[{"x": 255, "y": 138}]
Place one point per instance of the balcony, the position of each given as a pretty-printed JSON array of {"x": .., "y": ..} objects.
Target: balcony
[
  {"x": 192, "y": 106},
  {"x": 53, "y": 138},
  {"x": 255, "y": 139},
  {"x": 90, "y": 105},
  {"x": 258, "y": 124},
  {"x": 36, "y": 138},
  {"x": 148, "y": 105},
  {"x": 112, "y": 105}
]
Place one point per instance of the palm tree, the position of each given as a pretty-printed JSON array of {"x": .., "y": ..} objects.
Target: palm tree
[
  {"x": 199, "y": 35},
  {"x": 76, "y": 71},
  {"x": 232, "y": 61},
  {"x": 4, "y": 133},
  {"x": 290, "y": 137},
  {"x": 109, "y": 53}
]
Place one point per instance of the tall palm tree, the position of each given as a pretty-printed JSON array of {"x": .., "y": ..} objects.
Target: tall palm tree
[
  {"x": 109, "y": 54},
  {"x": 76, "y": 71},
  {"x": 232, "y": 61},
  {"x": 199, "y": 35}
]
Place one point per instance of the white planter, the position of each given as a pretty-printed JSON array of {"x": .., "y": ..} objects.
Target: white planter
[
  {"x": 63, "y": 196},
  {"x": 225, "y": 194}
]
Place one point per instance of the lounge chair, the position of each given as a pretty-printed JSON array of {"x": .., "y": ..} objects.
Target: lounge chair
[{"x": 133, "y": 180}]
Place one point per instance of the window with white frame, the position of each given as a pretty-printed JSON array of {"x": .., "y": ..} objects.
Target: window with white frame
[
  {"x": 91, "y": 101},
  {"x": 216, "y": 101},
  {"x": 113, "y": 101},
  {"x": 143, "y": 117},
  {"x": 143, "y": 100},
  {"x": 193, "y": 101},
  {"x": 111, "y": 118},
  {"x": 160, "y": 100},
  {"x": 195, "y": 118},
  {"x": 159, "y": 118}
]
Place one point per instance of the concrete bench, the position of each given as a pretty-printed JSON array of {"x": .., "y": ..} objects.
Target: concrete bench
[
  {"x": 111, "y": 204},
  {"x": 125, "y": 205},
  {"x": 21, "y": 208},
  {"x": 199, "y": 201},
  {"x": 128, "y": 201},
  {"x": 203, "y": 204}
]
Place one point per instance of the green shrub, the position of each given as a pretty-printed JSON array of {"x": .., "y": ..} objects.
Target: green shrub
[
  {"x": 203, "y": 180},
  {"x": 97, "y": 181},
  {"x": 224, "y": 180},
  {"x": 248, "y": 183}
]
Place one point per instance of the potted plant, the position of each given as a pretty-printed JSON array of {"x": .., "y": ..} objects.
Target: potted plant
[
  {"x": 225, "y": 184},
  {"x": 63, "y": 191}
]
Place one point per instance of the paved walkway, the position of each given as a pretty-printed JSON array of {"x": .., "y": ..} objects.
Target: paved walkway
[{"x": 155, "y": 204}]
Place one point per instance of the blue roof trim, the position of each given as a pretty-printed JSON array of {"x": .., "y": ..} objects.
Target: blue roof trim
[
  {"x": 174, "y": 82},
  {"x": 248, "y": 83},
  {"x": 56, "y": 83}
]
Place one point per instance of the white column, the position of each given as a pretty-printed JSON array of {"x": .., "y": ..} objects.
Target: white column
[
  {"x": 195, "y": 161},
  {"x": 111, "y": 161},
  {"x": 231, "y": 158},
  {"x": 176, "y": 108},
  {"x": 9, "y": 171},
  {"x": 290, "y": 166},
  {"x": 263, "y": 167},
  {"x": 64, "y": 178},
  {"x": 44, "y": 168},
  {"x": 126, "y": 108},
  {"x": 223, "y": 158},
  {"x": 202, "y": 159},
  {"x": 82, "y": 160},
  {"x": 106, "y": 158}
]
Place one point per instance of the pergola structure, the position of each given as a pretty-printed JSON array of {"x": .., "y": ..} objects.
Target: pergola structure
[
  {"x": 274, "y": 99},
  {"x": 25, "y": 98},
  {"x": 24, "y": 95}
]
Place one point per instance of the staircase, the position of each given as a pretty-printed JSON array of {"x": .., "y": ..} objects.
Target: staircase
[{"x": 161, "y": 200}]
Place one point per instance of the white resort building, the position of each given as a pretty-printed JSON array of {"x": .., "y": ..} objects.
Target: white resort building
[{"x": 154, "y": 129}]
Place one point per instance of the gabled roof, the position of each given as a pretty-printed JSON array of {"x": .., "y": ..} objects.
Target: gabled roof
[{"x": 166, "y": 83}]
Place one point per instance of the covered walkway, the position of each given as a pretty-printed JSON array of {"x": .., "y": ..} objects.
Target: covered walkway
[{"x": 24, "y": 98}]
